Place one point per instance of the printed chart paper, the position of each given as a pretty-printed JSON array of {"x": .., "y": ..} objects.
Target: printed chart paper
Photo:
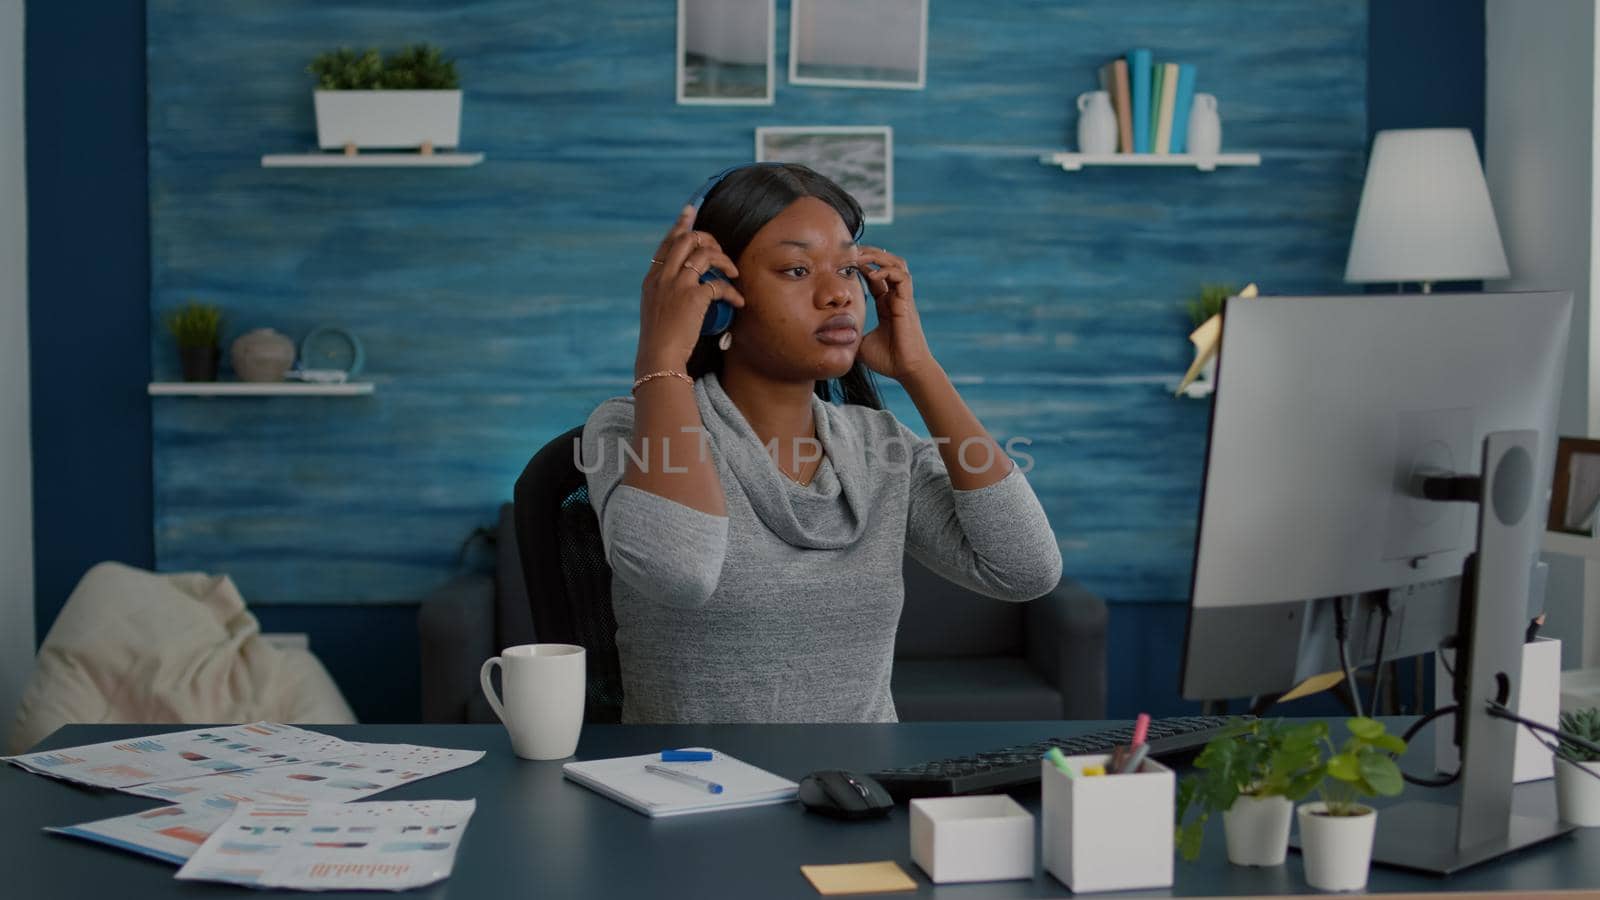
[
  {"x": 173, "y": 833},
  {"x": 184, "y": 754},
  {"x": 334, "y": 846}
]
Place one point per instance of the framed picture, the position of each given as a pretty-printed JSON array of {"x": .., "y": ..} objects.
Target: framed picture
[
  {"x": 725, "y": 51},
  {"x": 1575, "y": 496},
  {"x": 859, "y": 43},
  {"x": 859, "y": 158}
]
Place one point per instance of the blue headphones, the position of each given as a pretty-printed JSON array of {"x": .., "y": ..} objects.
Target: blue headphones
[{"x": 719, "y": 316}]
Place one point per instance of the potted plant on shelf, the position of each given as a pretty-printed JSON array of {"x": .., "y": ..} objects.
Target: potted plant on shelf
[
  {"x": 1252, "y": 773},
  {"x": 1577, "y": 790},
  {"x": 1336, "y": 832},
  {"x": 197, "y": 328},
  {"x": 410, "y": 100}
]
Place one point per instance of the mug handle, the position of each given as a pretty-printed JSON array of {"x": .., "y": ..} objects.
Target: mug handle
[{"x": 488, "y": 687}]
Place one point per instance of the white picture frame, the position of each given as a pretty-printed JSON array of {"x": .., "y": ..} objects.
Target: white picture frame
[
  {"x": 832, "y": 42},
  {"x": 860, "y": 158},
  {"x": 730, "y": 42}
]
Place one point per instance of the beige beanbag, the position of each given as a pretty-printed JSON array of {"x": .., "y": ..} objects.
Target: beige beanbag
[{"x": 134, "y": 646}]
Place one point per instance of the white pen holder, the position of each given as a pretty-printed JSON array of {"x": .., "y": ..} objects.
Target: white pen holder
[
  {"x": 1108, "y": 832},
  {"x": 1538, "y": 698}
]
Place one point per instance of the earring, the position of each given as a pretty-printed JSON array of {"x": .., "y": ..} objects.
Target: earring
[{"x": 726, "y": 340}]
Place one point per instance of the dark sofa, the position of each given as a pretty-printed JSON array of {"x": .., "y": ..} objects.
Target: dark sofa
[{"x": 958, "y": 655}]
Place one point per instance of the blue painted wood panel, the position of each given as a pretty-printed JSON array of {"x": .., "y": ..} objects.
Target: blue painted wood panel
[{"x": 498, "y": 304}]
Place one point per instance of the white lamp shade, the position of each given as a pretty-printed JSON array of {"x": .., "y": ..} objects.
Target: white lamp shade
[{"x": 1425, "y": 212}]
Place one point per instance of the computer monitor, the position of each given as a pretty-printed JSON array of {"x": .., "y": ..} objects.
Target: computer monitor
[{"x": 1336, "y": 421}]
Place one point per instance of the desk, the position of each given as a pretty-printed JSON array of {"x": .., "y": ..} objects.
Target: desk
[{"x": 537, "y": 835}]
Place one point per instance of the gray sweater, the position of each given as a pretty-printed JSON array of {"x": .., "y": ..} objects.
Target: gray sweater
[{"x": 785, "y": 610}]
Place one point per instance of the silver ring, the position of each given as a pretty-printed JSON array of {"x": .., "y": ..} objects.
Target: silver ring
[
  {"x": 692, "y": 268},
  {"x": 656, "y": 262}
]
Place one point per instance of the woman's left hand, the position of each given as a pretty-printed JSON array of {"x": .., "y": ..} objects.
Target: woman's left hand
[{"x": 896, "y": 348}]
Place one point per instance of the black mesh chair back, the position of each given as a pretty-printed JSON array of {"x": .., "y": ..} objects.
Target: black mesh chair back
[{"x": 564, "y": 565}]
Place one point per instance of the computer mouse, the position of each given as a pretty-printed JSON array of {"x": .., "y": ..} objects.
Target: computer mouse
[{"x": 844, "y": 795}]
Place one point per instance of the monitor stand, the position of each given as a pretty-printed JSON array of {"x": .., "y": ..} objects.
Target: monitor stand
[{"x": 1441, "y": 838}]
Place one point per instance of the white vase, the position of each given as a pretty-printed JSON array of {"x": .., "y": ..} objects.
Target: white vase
[
  {"x": 1097, "y": 124},
  {"x": 1337, "y": 849},
  {"x": 1257, "y": 829},
  {"x": 388, "y": 119},
  {"x": 1578, "y": 792},
  {"x": 1205, "y": 127}
]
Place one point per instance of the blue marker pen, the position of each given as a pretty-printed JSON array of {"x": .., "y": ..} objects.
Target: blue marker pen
[{"x": 686, "y": 756}]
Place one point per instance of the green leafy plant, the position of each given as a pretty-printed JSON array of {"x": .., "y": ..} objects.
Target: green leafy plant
[
  {"x": 419, "y": 67},
  {"x": 1209, "y": 302},
  {"x": 195, "y": 325},
  {"x": 1361, "y": 767},
  {"x": 1583, "y": 723},
  {"x": 1256, "y": 758}
]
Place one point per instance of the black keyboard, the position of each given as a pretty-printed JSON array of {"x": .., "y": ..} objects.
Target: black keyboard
[{"x": 1171, "y": 740}]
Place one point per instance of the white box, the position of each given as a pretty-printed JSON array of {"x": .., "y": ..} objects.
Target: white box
[
  {"x": 1108, "y": 832},
  {"x": 1538, "y": 698},
  {"x": 387, "y": 119},
  {"x": 972, "y": 838}
]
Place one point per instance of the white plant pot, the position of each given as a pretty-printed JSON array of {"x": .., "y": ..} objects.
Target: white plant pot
[
  {"x": 1337, "y": 849},
  {"x": 1577, "y": 792},
  {"x": 388, "y": 119},
  {"x": 1257, "y": 829}
]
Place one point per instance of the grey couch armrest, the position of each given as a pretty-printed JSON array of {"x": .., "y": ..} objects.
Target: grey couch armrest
[
  {"x": 1066, "y": 644},
  {"x": 456, "y": 626}
]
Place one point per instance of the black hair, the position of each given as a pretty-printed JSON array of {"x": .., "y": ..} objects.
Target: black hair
[{"x": 738, "y": 207}]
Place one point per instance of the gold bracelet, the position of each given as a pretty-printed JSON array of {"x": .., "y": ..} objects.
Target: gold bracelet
[{"x": 642, "y": 379}]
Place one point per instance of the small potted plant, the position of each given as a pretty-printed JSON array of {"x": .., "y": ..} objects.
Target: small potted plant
[
  {"x": 1252, "y": 773},
  {"x": 197, "y": 328},
  {"x": 1336, "y": 832},
  {"x": 408, "y": 100},
  {"x": 1577, "y": 790}
]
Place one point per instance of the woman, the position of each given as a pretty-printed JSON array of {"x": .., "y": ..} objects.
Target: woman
[{"x": 756, "y": 531}]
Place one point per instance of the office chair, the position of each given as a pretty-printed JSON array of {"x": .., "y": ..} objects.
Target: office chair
[{"x": 564, "y": 565}]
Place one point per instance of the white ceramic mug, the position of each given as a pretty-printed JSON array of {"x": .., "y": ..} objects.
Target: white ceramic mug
[{"x": 544, "y": 692}]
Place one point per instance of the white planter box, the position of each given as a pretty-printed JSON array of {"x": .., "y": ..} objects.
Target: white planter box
[
  {"x": 972, "y": 838},
  {"x": 1108, "y": 832},
  {"x": 1538, "y": 698},
  {"x": 388, "y": 119}
]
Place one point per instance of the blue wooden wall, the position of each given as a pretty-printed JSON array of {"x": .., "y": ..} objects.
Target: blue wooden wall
[{"x": 498, "y": 304}]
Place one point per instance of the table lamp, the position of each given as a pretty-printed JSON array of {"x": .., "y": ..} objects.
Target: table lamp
[{"x": 1425, "y": 213}]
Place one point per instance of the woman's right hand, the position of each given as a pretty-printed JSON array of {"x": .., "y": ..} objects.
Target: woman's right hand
[{"x": 673, "y": 302}]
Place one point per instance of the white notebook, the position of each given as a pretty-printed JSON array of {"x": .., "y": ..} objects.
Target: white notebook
[{"x": 625, "y": 780}]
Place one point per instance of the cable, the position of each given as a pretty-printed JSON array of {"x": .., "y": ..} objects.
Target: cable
[
  {"x": 1377, "y": 677},
  {"x": 1500, "y": 712},
  {"x": 1419, "y": 780},
  {"x": 1340, "y": 632}
]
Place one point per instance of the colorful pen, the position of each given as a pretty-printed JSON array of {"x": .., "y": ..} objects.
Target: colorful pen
[
  {"x": 1141, "y": 728},
  {"x": 684, "y": 778},
  {"x": 1059, "y": 760},
  {"x": 1135, "y": 760}
]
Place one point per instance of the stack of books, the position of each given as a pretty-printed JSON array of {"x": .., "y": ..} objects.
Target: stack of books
[{"x": 1151, "y": 101}]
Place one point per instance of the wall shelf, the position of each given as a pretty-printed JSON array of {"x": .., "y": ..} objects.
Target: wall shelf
[
  {"x": 259, "y": 389},
  {"x": 334, "y": 160},
  {"x": 1073, "y": 162}
]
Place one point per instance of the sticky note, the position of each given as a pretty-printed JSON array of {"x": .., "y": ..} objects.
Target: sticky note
[{"x": 859, "y": 878}]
